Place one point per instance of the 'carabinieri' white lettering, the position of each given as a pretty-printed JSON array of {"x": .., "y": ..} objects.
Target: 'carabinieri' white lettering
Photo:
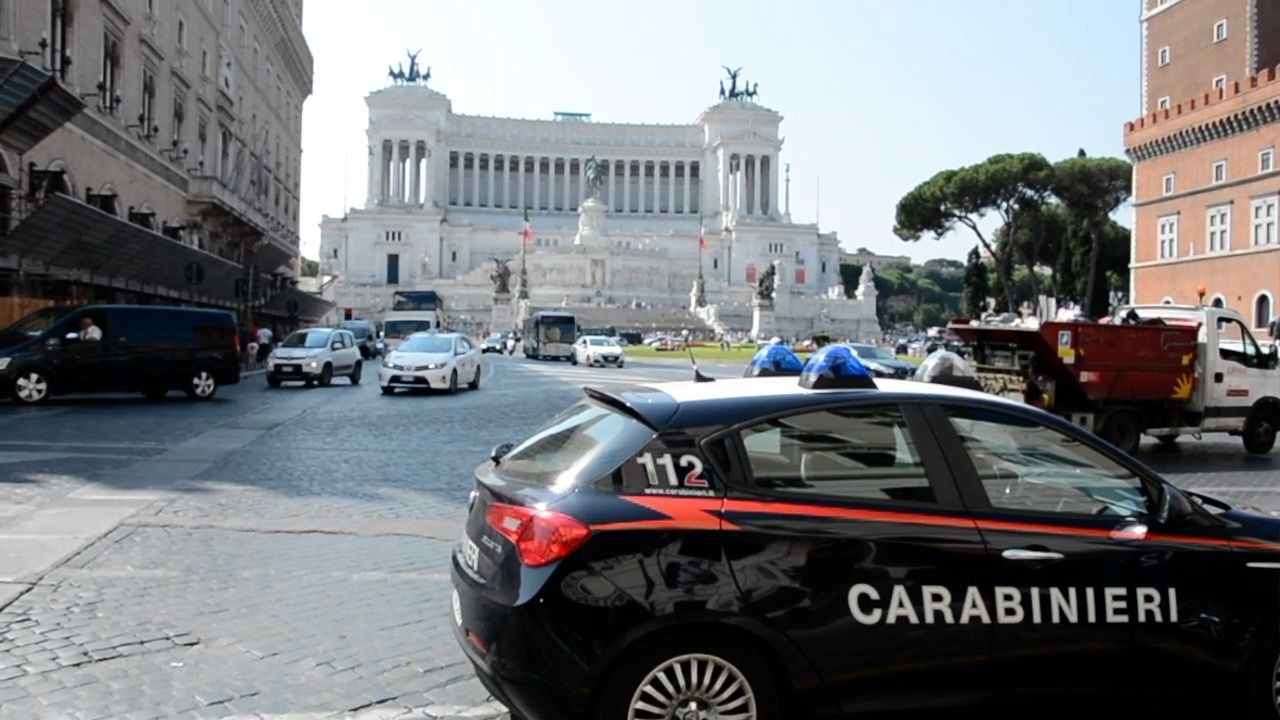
[{"x": 1005, "y": 605}]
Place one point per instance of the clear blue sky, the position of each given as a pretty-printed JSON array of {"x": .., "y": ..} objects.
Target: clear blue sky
[{"x": 876, "y": 95}]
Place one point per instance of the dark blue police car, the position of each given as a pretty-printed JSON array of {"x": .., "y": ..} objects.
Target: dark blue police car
[{"x": 779, "y": 547}]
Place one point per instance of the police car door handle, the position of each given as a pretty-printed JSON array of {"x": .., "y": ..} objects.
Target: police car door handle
[{"x": 1025, "y": 554}]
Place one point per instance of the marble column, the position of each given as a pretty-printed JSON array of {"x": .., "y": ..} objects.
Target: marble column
[
  {"x": 488, "y": 199},
  {"x": 536, "y": 179},
  {"x": 460, "y": 182},
  {"x": 612, "y": 169},
  {"x": 376, "y": 161},
  {"x": 626, "y": 186},
  {"x": 643, "y": 181},
  {"x": 725, "y": 196},
  {"x": 755, "y": 185},
  {"x": 520, "y": 161},
  {"x": 671, "y": 187},
  {"x": 773, "y": 185},
  {"x": 475, "y": 179},
  {"x": 568, "y": 183},
  {"x": 684, "y": 190},
  {"x": 417, "y": 178},
  {"x": 740, "y": 202},
  {"x": 429, "y": 191},
  {"x": 397, "y": 184}
]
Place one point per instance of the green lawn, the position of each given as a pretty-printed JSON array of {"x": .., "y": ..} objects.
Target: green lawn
[{"x": 737, "y": 354}]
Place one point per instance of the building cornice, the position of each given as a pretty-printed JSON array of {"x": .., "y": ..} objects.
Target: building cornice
[
  {"x": 1147, "y": 15},
  {"x": 1205, "y": 189},
  {"x": 1241, "y": 121},
  {"x": 287, "y": 38}
]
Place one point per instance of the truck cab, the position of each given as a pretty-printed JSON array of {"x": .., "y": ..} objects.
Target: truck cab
[{"x": 1235, "y": 384}]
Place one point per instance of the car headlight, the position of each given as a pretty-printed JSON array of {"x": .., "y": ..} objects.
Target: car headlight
[
  {"x": 313, "y": 363},
  {"x": 386, "y": 362},
  {"x": 4, "y": 362},
  {"x": 434, "y": 366}
]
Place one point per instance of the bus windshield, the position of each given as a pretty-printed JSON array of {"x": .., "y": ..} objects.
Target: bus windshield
[
  {"x": 404, "y": 328},
  {"x": 556, "y": 329}
]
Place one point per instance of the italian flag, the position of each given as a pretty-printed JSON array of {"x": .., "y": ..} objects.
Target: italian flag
[
  {"x": 702, "y": 240},
  {"x": 528, "y": 231}
]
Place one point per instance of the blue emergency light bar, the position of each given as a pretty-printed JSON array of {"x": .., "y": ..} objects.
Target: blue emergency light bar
[
  {"x": 835, "y": 366},
  {"x": 772, "y": 360}
]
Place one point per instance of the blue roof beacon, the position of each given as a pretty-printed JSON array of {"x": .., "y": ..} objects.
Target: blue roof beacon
[
  {"x": 836, "y": 367},
  {"x": 773, "y": 360}
]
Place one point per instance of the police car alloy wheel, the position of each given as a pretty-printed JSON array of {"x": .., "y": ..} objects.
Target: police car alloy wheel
[
  {"x": 1275, "y": 684},
  {"x": 31, "y": 387},
  {"x": 701, "y": 676}
]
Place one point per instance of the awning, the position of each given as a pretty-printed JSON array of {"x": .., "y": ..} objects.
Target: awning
[
  {"x": 68, "y": 236},
  {"x": 33, "y": 104},
  {"x": 292, "y": 302}
]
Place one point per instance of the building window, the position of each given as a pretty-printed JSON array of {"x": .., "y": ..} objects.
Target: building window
[
  {"x": 715, "y": 263},
  {"x": 393, "y": 269},
  {"x": 1264, "y": 220},
  {"x": 1163, "y": 103},
  {"x": 393, "y": 235},
  {"x": 147, "y": 118},
  {"x": 59, "y": 34},
  {"x": 1220, "y": 228},
  {"x": 109, "y": 82},
  {"x": 1168, "y": 236},
  {"x": 453, "y": 256},
  {"x": 1266, "y": 160},
  {"x": 1220, "y": 30},
  {"x": 1262, "y": 311},
  {"x": 1170, "y": 183},
  {"x": 1220, "y": 171},
  {"x": 179, "y": 118},
  {"x": 1220, "y": 83},
  {"x": 824, "y": 267},
  {"x": 202, "y": 142},
  {"x": 182, "y": 34},
  {"x": 1218, "y": 301},
  {"x": 1164, "y": 56}
]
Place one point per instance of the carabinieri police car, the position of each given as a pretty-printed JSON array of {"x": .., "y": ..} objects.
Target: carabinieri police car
[{"x": 778, "y": 547}]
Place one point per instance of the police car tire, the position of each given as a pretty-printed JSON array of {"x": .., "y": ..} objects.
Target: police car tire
[
  {"x": 648, "y": 655},
  {"x": 1262, "y": 677}
]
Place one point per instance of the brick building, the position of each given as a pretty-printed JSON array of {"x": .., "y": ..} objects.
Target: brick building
[{"x": 1206, "y": 172}]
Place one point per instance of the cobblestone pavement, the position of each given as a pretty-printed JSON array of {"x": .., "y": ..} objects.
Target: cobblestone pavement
[
  {"x": 273, "y": 553},
  {"x": 284, "y": 553}
]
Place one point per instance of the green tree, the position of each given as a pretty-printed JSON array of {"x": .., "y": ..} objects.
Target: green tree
[
  {"x": 929, "y": 315},
  {"x": 976, "y": 287},
  {"x": 1007, "y": 184},
  {"x": 1091, "y": 189},
  {"x": 310, "y": 268}
]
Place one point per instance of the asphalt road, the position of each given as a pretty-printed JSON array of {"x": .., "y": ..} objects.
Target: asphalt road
[{"x": 285, "y": 552}]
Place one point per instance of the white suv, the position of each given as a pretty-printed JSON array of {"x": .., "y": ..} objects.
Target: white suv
[{"x": 314, "y": 356}]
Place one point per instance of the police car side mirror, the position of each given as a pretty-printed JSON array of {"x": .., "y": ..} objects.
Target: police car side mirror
[
  {"x": 1174, "y": 507},
  {"x": 499, "y": 451}
]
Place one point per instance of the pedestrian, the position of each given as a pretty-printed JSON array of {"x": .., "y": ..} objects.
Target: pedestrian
[
  {"x": 88, "y": 331},
  {"x": 264, "y": 337},
  {"x": 511, "y": 344}
]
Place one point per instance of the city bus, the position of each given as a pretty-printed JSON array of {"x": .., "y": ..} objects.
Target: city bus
[
  {"x": 549, "y": 334},
  {"x": 411, "y": 311}
]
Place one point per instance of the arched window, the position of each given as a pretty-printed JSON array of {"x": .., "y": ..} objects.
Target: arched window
[
  {"x": 1167, "y": 300},
  {"x": 1262, "y": 310},
  {"x": 1219, "y": 301}
]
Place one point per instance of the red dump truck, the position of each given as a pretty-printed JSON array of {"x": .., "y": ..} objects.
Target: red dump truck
[{"x": 1163, "y": 370}]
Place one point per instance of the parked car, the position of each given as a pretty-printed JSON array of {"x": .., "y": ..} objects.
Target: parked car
[
  {"x": 598, "y": 350},
  {"x": 881, "y": 361},
  {"x": 135, "y": 348},
  {"x": 366, "y": 337},
  {"x": 314, "y": 356},
  {"x": 431, "y": 361}
]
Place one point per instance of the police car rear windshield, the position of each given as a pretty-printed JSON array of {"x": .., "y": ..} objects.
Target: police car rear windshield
[{"x": 583, "y": 443}]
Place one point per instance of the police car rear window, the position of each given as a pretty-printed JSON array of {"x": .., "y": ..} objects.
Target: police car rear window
[{"x": 581, "y": 444}]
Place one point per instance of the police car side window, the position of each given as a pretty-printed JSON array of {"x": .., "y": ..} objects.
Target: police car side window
[
  {"x": 1026, "y": 466},
  {"x": 860, "y": 452}
]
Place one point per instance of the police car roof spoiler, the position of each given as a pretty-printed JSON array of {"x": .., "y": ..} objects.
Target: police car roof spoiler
[{"x": 650, "y": 406}]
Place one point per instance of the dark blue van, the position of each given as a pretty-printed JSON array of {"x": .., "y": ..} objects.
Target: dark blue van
[{"x": 149, "y": 349}]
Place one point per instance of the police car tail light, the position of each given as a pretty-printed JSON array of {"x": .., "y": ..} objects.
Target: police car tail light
[
  {"x": 835, "y": 366},
  {"x": 541, "y": 537}
]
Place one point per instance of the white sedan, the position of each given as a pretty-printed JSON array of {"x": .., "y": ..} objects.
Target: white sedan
[
  {"x": 598, "y": 350},
  {"x": 431, "y": 361}
]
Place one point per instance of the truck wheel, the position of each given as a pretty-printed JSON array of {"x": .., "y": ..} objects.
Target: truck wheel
[
  {"x": 1124, "y": 430},
  {"x": 1260, "y": 432}
]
